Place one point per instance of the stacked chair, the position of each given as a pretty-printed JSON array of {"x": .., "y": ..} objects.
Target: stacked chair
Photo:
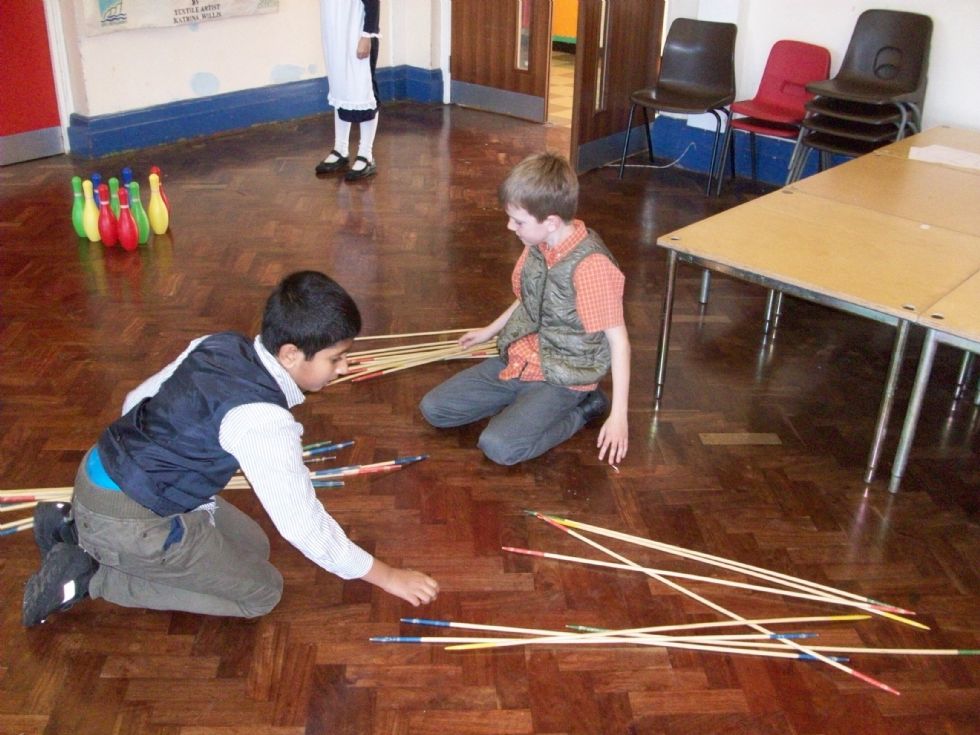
[
  {"x": 697, "y": 75},
  {"x": 876, "y": 97}
]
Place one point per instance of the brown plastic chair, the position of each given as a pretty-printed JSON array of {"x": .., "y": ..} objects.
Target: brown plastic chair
[
  {"x": 877, "y": 95},
  {"x": 778, "y": 107},
  {"x": 697, "y": 76}
]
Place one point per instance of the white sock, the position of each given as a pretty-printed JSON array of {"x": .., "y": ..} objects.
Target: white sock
[
  {"x": 365, "y": 146},
  {"x": 341, "y": 133}
]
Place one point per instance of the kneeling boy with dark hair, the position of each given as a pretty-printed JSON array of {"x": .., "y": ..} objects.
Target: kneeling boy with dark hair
[{"x": 147, "y": 527}]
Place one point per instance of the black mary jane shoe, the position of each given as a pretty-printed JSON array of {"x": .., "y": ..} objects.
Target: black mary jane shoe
[
  {"x": 328, "y": 167},
  {"x": 370, "y": 169}
]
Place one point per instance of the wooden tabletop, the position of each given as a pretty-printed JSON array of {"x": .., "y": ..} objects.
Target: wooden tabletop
[
  {"x": 958, "y": 312},
  {"x": 966, "y": 140},
  {"x": 927, "y": 193},
  {"x": 841, "y": 251}
]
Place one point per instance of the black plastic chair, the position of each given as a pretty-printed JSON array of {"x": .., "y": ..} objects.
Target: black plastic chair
[
  {"x": 697, "y": 76},
  {"x": 876, "y": 97}
]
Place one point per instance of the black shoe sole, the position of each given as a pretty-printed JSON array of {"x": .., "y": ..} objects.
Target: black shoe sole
[
  {"x": 45, "y": 590},
  {"x": 364, "y": 173}
]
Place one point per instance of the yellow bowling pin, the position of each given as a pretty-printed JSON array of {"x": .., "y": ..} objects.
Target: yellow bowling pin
[
  {"x": 90, "y": 213},
  {"x": 156, "y": 210}
]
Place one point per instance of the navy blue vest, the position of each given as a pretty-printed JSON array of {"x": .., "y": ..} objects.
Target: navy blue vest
[{"x": 164, "y": 453}]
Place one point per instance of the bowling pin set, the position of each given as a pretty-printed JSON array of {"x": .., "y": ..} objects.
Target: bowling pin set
[{"x": 112, "y": 213}]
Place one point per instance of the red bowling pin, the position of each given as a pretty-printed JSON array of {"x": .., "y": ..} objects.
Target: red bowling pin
[
  {"x": 108, "y": 229},
  {"x": 128, "y": 230}
]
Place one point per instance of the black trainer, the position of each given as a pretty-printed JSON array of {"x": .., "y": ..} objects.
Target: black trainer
[
  {"x": 53, "y": 523},
  {"x": 61, "y": 582},
  {"x": 594, "y": 405},
  {"x": 326, "y": 166}
]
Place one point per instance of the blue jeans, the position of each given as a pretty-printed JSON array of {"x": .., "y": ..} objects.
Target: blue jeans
[{"x": 529, "y": 417}]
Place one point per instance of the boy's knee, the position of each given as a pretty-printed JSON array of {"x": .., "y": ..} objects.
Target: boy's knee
[
  {"x": 264, "y": 599},
  {"x": 499, "y": 448},
  {"x": 433, "y": 412}
]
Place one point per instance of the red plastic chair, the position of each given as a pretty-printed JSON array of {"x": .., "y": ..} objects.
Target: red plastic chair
[{"x": 778, "y": 106}]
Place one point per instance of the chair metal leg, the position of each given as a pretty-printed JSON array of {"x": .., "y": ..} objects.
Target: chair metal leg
[
  {"x": 731, "y": 158},
  {"x": 904, "y": 120},
  {"x": 727, "y": 146},
  {"x": 916, "y": 122},
  {"x": 798, "y": 159},
  {"x": 714, "y": 150},
  {"x": 626, "y": 145},
  {"x": 646, "y": 126}
]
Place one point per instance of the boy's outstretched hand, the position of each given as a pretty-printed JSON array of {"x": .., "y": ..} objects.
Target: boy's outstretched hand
[
  {"x": 409, "y": 585},
  {"x": 476, "y": 337},
  {"x": 614, "y": 438}
]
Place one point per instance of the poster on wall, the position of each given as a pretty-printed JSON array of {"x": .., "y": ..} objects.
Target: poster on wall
[{"x": 104, "y": 16}]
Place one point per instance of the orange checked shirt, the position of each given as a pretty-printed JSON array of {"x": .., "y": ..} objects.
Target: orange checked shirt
[{"x": 598, "y": 301}]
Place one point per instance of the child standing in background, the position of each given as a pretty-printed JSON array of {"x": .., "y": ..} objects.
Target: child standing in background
[{"x": 350, "y": 31}]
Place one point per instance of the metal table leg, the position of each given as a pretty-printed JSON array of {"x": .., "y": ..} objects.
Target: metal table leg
[
  {"x": 665, "y": 318},
  {"x": 887, "y": 398},
  {"x": 915, "y": 406},
  {"x": 705, "y": 286}
]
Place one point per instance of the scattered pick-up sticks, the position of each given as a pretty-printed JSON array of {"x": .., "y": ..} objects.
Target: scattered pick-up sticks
[
  {"x": 763, "y": 642},
  {"x": 27, "y": 499},
  {"x": 373, "y": 363}
]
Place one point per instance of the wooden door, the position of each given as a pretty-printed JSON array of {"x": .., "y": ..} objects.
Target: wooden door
[
  {"x": 617, "y": 52},
  {"x": 501, "y": 53},
  {"x": 30, "y": 125}
]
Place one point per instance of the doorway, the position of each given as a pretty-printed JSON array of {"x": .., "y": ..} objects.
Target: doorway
[{"x": 561, "y": 85}]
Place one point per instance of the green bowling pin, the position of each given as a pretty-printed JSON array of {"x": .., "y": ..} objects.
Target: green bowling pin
[
  {"x": 139, "y": 214},
  {"x": 78, "y": 207},
  {"x": 114, "y": 196}
]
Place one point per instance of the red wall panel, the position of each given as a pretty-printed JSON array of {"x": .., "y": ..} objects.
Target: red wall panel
[{"x": 27, "y": 93}]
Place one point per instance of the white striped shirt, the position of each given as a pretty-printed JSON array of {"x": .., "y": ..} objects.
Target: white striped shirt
[{"x": 267, "y": 442}]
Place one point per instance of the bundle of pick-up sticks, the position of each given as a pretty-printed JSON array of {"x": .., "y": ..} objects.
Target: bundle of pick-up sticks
[
  {"x": 14, "y": 501},
  {"x": 408, "y": 352}
]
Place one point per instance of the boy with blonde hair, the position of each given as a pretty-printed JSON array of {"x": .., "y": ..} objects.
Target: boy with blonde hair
[{"x": 561, "y": 335}]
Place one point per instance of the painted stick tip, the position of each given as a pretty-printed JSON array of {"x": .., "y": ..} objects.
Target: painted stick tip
[{"x": 427, "y": 621}]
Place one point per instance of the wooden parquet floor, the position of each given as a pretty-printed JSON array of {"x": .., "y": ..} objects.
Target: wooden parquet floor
[{"x": 423, "y": 246}]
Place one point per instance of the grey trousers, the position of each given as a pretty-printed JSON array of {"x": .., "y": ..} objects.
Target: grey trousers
[
  {"x": 529, "y": 417},
  {"x": 203, "y": 562}
]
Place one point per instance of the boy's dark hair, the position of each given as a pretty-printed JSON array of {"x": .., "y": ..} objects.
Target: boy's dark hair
[
  {"x": 543, "y": 184},
  {"x": 310, "y": 310}
]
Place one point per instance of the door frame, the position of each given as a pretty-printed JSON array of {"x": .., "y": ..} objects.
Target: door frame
[{"x": 59, "y": 66}]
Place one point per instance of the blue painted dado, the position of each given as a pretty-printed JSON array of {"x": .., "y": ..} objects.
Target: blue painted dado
[
  {"x": 101, "y": 135},
  {"x": 672, "y": 136}
]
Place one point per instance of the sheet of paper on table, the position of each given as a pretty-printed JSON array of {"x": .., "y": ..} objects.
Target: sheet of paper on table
[{"x": 945, "y": 155}]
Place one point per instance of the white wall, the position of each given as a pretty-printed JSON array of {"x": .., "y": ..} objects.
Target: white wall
[
  {"x": 954, "y": 66},
  {"x": 129, "y": 70}
]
